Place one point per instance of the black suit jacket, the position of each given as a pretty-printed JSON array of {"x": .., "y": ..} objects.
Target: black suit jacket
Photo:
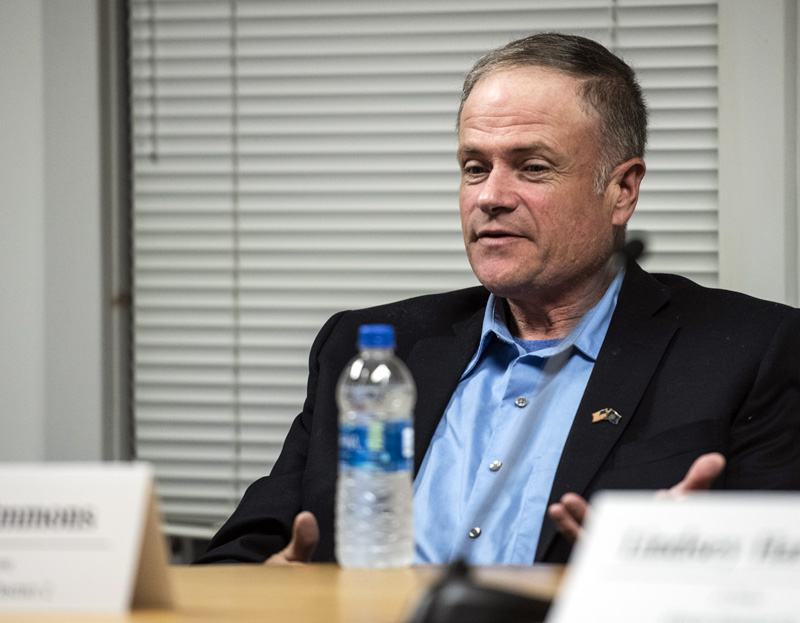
[{"x": 690, "y": 369}]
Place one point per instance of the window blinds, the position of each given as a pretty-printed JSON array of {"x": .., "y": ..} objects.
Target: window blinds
[{"x": 294, "y": 158}]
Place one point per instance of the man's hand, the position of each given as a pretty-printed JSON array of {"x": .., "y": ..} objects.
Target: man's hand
[
  {"x": 700, "y": 477},
  {"x": 570, "y": 513},
  {"x": 305, "y": 536}
]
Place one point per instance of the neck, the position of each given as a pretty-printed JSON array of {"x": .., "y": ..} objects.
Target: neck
[{"x": 552, "y": 317}]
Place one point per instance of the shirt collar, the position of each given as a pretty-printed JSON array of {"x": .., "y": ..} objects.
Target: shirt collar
[{"x": 587, "y": 336}]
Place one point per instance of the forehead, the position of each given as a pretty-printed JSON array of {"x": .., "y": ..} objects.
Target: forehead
[{"x": 519, "y": 98}]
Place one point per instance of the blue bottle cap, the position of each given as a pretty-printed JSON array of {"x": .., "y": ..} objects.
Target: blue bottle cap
[{"x": 376, "y": 336}]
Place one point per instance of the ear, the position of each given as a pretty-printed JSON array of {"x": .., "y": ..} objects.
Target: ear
[{"x": 623, "y": 189}]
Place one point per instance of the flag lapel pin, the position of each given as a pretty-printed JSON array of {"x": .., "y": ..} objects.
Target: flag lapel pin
[{"x": 608, "y": 415}]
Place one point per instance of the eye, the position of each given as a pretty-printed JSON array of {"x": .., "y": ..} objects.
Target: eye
[
  {"x": 536, "y": 167},
  {"x": 471, "y": 167}
]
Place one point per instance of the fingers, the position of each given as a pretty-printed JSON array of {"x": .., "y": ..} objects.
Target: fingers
[
  {"x": 701, "y": 474},
  {"x": 568, "y": 515},
  {"x": 305, "y": 536}
]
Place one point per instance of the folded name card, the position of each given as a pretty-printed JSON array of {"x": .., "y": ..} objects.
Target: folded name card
[
  {"x": 716, "y": 557},
  {"x": 77, "y": 537}
]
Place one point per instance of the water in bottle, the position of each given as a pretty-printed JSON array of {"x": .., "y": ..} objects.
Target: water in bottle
[{"x": 374, "y": 514}]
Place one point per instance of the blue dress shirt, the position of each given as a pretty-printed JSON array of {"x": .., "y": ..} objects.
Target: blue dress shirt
[{"x": 482, "y": 489}]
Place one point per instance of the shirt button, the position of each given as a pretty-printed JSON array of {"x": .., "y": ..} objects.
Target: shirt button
[
  {"x": 474, "y": 533},
  {"x": 521, "y": 402},
  {"x": 495, "y": 466}
]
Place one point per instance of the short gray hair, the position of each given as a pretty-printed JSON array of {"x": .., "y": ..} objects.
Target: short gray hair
[{"x": 608, "y": 85}]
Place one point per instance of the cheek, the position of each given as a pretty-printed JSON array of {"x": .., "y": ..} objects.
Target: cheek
[
  {"x": 466, "y": 231},
  {"x": 589, "y": 237},
  {"x": 462, "y": 213},
  {"x": 584, "y": 212},
  {"x": 466, "y": 205},
  {"x": 547, "y": 205},
  {"x": 464, "y": 192}
]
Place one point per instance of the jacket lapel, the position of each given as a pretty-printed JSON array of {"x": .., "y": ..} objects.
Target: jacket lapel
[
  {"x": 633, "y": 347},
  {"x": 437, "y": 364}
]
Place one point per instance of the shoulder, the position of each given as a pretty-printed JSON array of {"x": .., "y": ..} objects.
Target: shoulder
[
  {"x": 690, "y": 298},
  {"x": 428, "y": 310},
  {"x": 707, "y": 315},
  {"x": 413, "y": 318}
]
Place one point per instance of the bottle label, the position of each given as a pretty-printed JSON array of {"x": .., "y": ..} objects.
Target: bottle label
[{"x": 378, "y": 446}]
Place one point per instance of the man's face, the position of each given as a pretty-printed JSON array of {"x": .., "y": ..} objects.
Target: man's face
[{"x": 533, "y": 223}]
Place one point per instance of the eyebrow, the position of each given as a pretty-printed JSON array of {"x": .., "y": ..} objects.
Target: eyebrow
[{"x": 522, "y": 149}]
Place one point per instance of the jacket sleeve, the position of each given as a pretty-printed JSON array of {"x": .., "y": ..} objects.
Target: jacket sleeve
[
  {"x": 764, "y": 441},
  {"x": 261, "y": 525}
]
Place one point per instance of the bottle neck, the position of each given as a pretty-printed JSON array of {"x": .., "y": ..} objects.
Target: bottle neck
[{"x": 375, "y": 353}]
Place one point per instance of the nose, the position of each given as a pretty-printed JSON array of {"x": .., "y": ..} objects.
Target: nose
[{"x": 496, "y": 194}]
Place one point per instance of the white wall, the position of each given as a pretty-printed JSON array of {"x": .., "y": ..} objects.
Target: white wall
[
  {"x": 758, "y": 150},
  {"x": 21, "y": 231},
  {"x": 51, "y": 315},
  {"x": 72, "y": 228}
]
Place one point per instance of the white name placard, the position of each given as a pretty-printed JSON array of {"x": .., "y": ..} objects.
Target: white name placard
[
  {"x": 78, "y": 537},
  {"x": 714, "y": 557}
]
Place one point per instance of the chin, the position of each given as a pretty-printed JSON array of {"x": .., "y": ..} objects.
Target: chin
[
  {"x": 506, "y": 274},
  {"x": 504, "y": 287}
]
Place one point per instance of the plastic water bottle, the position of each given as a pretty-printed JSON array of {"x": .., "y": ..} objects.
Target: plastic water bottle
[{"x": 374, "y": 513}]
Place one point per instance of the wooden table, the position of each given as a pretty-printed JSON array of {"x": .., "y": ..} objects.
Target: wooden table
[{"x": 295, "y": 594}]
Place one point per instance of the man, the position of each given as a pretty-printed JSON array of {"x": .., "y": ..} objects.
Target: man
[{"x": 565, "y": 374}]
